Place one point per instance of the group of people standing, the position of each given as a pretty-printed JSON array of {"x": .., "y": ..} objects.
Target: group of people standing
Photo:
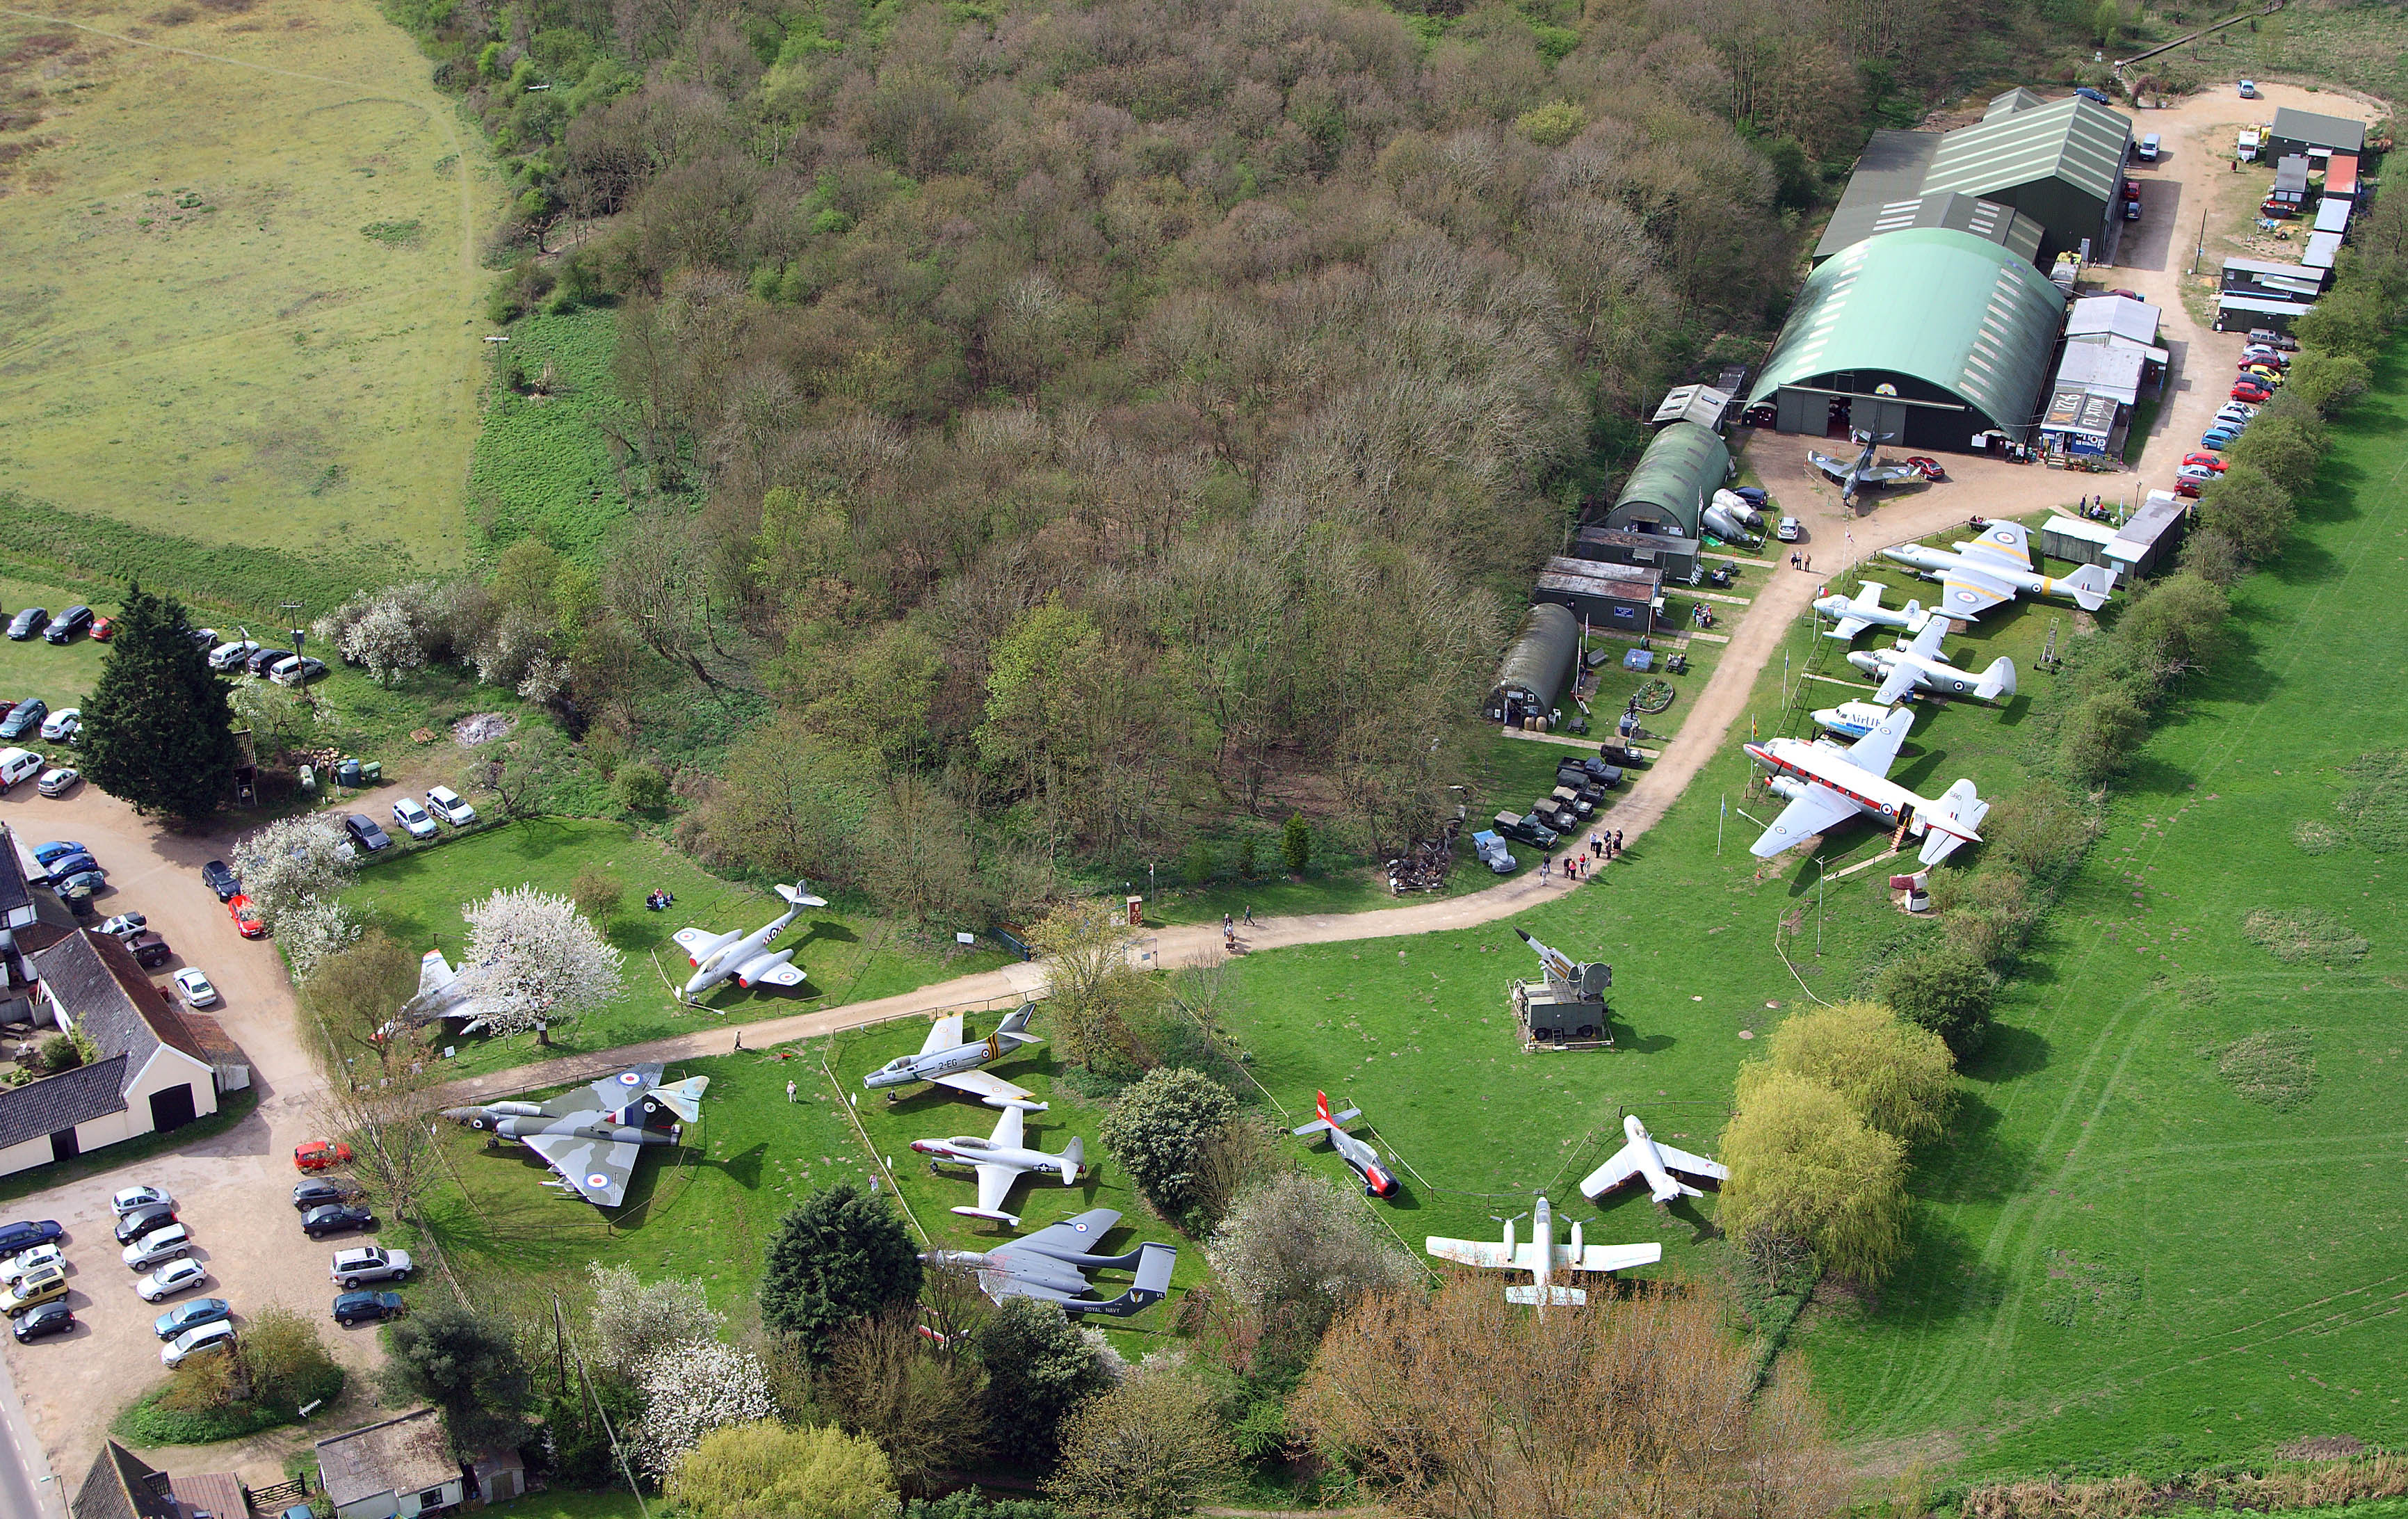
[{"x": 1603, "y": 845}]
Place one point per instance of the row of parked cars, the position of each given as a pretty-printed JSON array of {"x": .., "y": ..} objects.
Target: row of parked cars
[
  {"x": 1581, "y": 786},
  {"x": 246, "y": 656},
  {"x": 66, "y": 625}
]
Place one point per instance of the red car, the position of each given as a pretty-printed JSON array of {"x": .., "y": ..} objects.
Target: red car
[
  {"x": 2205, "y": 461},
  {"x": 2186, "y": 486},
  {"x": 2129, "y": 295},
  {"x": 245, "y": 917},
  {"x": 317, "y": 1155},
  {"x": 1928, "y": 468},
  {"x": 2252, "y": 393},
  {"x": 102, "y": 629}
]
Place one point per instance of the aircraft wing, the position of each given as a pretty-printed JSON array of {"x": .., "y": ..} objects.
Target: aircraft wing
[
  {"x": 694, "y": 940},
  {"x": 1485, "y": 1253},
  {"x": 1615, "y": 1257},
  {"x": 1680, "y": 1160},
  {"x": 1877, "y": 750},
  {"x": 1896, "y": 682},
  {"x": 944, "y": 1034},
  {"x": 1884, "y": 474},
  {"x": 1828, "y": 464},
  {"x": 609, "y": 1093},
  {"x": 1926, "y": 642},
  {"x": 992, "y": 1090},
  {"x": 784, "y": 973},
  {"x": 598, "y": 1169},
  {"x": 1848, "y": 629},
  {"x": 1966, "y": 593},
  {"x": 1619, "y": 1167},
  {"x": 1011, "y": 1129},
  {"x": 2002, "y": 543},
  {"x": 1868, "y": 598},
  {"x": 1078, "y": 1236},
  {"x": 995, "y": 1184},
  {"x": 1819, "y": 809}
]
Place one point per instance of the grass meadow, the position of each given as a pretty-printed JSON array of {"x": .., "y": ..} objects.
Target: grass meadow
[
  {"x": 417, "y": 897},
  {"x": 249, "y": 318},
  {"x": 2161, "y": 1230}
]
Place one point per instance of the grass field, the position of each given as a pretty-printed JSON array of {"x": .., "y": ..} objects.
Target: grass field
[
  {"x": 248, "y": 312},
  {"x": 59, "y": 673},
  {"x": 417, "y": 900},
  {"x": 541, "y": 465}
]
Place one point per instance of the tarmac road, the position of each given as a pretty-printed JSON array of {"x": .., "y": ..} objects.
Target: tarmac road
[{"x": 26, "y": 1486}]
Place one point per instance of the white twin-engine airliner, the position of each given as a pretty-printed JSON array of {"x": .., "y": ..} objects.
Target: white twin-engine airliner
[{"x": 1826, "y": 785}]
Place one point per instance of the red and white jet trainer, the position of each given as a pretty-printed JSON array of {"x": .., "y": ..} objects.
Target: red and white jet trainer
[
  {"x": 1359, "y": 1158},
  {"x": 1826, "y": 785}
]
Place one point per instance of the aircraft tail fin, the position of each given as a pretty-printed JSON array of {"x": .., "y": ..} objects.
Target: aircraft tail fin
[
  {"x": 1014, "y": 1028},
  {"x": 1997, "y": 680},
  {"x": 1552, "y": 1297},
  {"x": 683, "y": 1098},
  {"x": 2091, "y": 585},
  {"x": 1155, "y": 1265},
  {"x": 1952, "y": 823},
  {"x": 1073, "y": 1154},
  {"x": 796, "y": 895},
  {"x": 1915, "y": 616},
  {"x": 995, "y": 1214}
]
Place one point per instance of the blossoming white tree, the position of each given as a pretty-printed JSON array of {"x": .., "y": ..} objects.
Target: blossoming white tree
[
  {"x": 314, "y": 928},
  {"x": 292, "y": 860},
  {"x": 690, "y": 1389},
  {"x": 633, "y": 1320},
  {"x": 536, "y": 958}
]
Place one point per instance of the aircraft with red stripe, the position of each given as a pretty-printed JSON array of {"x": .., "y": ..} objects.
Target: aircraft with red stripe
[
  {"x": 1359, "y": 1158},
  {"x": 1826, "y": 784}
]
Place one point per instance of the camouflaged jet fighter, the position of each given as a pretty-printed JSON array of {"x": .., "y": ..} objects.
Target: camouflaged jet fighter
[{"x": 591, "y": 1136}]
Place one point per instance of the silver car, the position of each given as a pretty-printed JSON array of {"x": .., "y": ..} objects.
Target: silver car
[{"x": 159, "y": 1247}]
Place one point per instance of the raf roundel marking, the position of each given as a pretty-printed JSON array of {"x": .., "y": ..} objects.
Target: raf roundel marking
[
  {"x": 1081, "y": 1227},
  {"x": 628, "y": 1078},
  {"x": 597, "y": 1180}
]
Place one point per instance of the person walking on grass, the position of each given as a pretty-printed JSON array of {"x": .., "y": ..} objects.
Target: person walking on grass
[
  {"x": 790, "y": 1091},
  {"x": 1248, "y": 918}
]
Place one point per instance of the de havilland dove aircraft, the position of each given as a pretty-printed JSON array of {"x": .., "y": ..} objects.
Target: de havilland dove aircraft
[
  {"x": 591, "y": 1136},
  {"x": 1360, "y": 1157},
  {"x": 1052, "y": 1266},
  {"x": 1853, "y": 614},
  {"x": 1917, "y": 664},
  {"x": 1641, "y": 1156},
  {"x": 1001, "y": 1159},
  {"x": 1850, "y": 719},
  {"x": 1863, "y": 475},
  {"x": 946, "y": 1061},
  {"x": 746, "y": 958},
  {"x": 1542, "y": 1258},
  {"x": 1996, "y": 567},
  {"x": 1826, "y": 785}
]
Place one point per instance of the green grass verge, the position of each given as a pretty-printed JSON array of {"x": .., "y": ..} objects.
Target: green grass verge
[
  {"x": 60, "y": 674},
  {"x": 145, "y": 1422},
  {"x": 417, "y": 898},
  {"x": 232, "y": 1108},
  {"x": 559, "y": 1504},
  {"x": 542, "y": 463}
]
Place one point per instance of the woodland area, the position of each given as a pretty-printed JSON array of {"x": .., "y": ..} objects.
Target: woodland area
[{"x": 1060, "y": 431}]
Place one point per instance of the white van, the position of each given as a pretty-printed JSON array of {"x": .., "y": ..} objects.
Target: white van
[{"x": 18, "y": 765}]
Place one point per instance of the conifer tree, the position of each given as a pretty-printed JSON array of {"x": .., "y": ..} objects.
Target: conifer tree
[{"x": 158, "y": 729}]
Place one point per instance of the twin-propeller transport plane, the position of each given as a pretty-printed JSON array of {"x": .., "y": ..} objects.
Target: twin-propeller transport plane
[
  {"x": 1542, "y": 1258},
  {"x": 1826, "y": 785}
]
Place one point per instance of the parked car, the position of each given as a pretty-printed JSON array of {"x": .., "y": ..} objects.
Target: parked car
[
  {"x": 1524, "y": 830},
  {"x": 1493, "y": 853},
  {"x": 150, "y": 950},
  {"x": 219, "y": 877},
  {"x": 134, "y": 1226},
  {"x": 102, "y": 629},
  {"x": 134, "y": 1199},
  {"x": 18, "y": 765},
  {"x": 159, "y": 1247},
  {"x": 1927, "y": 468},
  {"x": 2251, "y": 391},
  {"x": 2272, "y": 338},
  {"x": 2086, "y": 93},
  {"x": 63, "y": 726},
  {"x": 2219, "y": 437},
  {"x": 208, "y": 1336},
  {"x": 2248, "y": 89},
  {"x": 77, "y": 891},
  {"x": 1753, "y": 495},
  {"x": 73, "y": 865},
  {"x": 58, "y": 783},
  {"x": 2190, "y": 487},
  {"x": 413, "y": 818},
  {"x": 226, "y": 656},
  {"x": 1790, "y": 530},
  {"x": 298, "y": 670},
  {"x": 24, "y": 720},
  {"x": 28, "y": 623},
  {"x": 2205, "y": 461},
  {"x": 2265, "y": 374},
  {"x": 321, "y": 1190},
  {"x": 365, "y": 834},
  {"x": 174, "y": 1277},
  {"x": 1569, "y": 797},
  {"x": 2147, "y": 148},
  {"x": 2265, "y": 353},
  {"x": 247, "y": 921},
  {"x": 337, "y": 1218},
  {"x": 47, "y": 1285},
  {"x": 2132, "y": 209},
  {"x": 263, "y": 660},
  {"x": 2235, "y": 411},
  {"x": 370, "y": 1263},
  {"x": 52, "y": 1318},
  {"x": 23, "y": 1235},
  {"x": 25, "y": 1262},
  {"x": 68, "y": 624},
  {"x": 447, "y": 804},
  {"x": 353, "y": 1307},
  {"x": 56, "y": 848},
  {"x": 317, "y": 1155},
  {"x": 195, "y": 987},
  {"x": 191, "y": 1315}
]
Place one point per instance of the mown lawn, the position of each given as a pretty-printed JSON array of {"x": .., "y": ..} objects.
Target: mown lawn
[{"x": 417, "y": 898}]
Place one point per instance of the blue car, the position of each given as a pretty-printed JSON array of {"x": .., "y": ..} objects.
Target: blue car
[
  {"x": 2218, "y": 438},
  {"x": 191, "y": 1315},
  {"x": 56, "y": 850},
  {"x": 2086, "y": 93},
  {"x": 27, "y": 1233},
  {"x": 72, "y": 864}
]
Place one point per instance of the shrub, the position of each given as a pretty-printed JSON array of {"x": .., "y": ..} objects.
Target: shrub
[
  {"x": 1296, "y": 844},
  {"x": 1298, "y": 1251},
  {"x": 2040, "y": 831},
  {"x": 1944, "y": 990},
  {"x": 765, "y": 1471},
  {"x": 2099, "y": 734},
  {"x": 2286, "y": 441},
  {"x": 59, "y": 1052},
  {"x": 1146, "y": 1449},
  {"x": 1898, "y": 1078},
  {"x": 597, "y": 892},
  {"x": 2213, "y": 556},
  {"x": 2175, "y": 626},
  {"x": 1160, "y": 1129},
  {"x": 1196, "y": 867},
  {"x": 642, "y": 786},
  {"x": 1806, "y": 1167},
  {"x": 467, "y": 1364},
  {"x": 285, "y": 1363},
  {"x": 2249, "y": 509},
  {"x": 1038, "y": 1368},
  {"x": 840, "y": 1256},
  {"x": 2329, "y": 381}
]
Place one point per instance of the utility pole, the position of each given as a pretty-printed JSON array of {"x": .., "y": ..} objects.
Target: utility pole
[{"x": 1821, "y": 878}]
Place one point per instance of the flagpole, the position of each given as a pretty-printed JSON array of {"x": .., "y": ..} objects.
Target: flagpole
[{"x": 1718, "y": 826}]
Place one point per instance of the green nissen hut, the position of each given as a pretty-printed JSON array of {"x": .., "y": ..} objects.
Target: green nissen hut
[{"x": 1666, "y": 494}]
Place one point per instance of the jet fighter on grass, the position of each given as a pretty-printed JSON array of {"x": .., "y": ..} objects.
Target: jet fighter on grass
[
  {"x": 746, "y": 958},
  {"x": 1853, "y": 614},
  {"x": 1917, "y": 664},
  {"x": 1001, "y": 1160},
  {"x": 1826, "y": 785},
  {"x": 1359, "y": 1158},
  {"x": 1052, "y": 1266},
  {"x": 591, "y": 1136},
  {"x": 1542, "y": 1258},
  {"x": 1660, "y": 1164},
  {"x": 945, "y": 1060},
  {"x": 1997, "y": 568}
]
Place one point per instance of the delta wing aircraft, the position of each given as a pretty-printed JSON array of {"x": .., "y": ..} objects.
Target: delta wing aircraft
[
  {"x": 1917, "y": 664},
  {"x": 591, "y": 1136},
  {"x": 746, "y": 958},
  {"x": 1662, "y": 1165},
  {"x": 443, "y": 993},
  {"x": 1001, "y": 1160},
  {"x": 1052, "y": 1266},
  {"x": 1542, "y": 1258},
  {"x": 948, "y": 1062},
  {"x": 1997, "y": 568},
  {"x": 1826, "y": 785}
]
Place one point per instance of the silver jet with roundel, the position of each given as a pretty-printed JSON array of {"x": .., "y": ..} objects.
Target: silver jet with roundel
[
  {"x": 947, "y": 1060},
  {"x": 746, "y": 959}
]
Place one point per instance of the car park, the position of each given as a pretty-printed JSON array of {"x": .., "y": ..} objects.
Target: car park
[
  {"x": 28, "y": 1261},
  {"x": 1790, "y": 530},
  {"x": 133, "y": 1225},
  {"x": 208, "y": 1336},
  {"x": 158, "y": 1247},
  {"x": 451, "y": 806},
  {"x": 191, "y": 1315},
  {"x": 353, "y": 1307},
  {"x": 219, "y": 877},
  {"x": 298, "y": 670},
  {"x": 226, "y": 656},
  {"x": 263, "y": 660},
  {"x": 102, "y": 629},
  {"x": 46, "y": 855},
  {"x": 2272, "y": 338},
  {"x": 68, "y": 624},
  {"x": 174, "y": 1277},
  {"x": 58, "y": 783},
  {"x": 317, "y": 1155},
  {"x": 50, "y": 1318},
  {"x": 2147, "y": 148},
  {"x": 247, "y": 921},
  {"x": 195, "y": 987},
  {"x": 337, "y": 1218},
  {"x": 23, "y": 1235},
  {"x": 321, "y": 1190},
  {"x": 370, "y": 1263},
  {"x": 150, "y": 950},
  {"x": 365, "y": 834},
  {"x": 2218, "y": 438},
  {"x": 2249, "y": 390},
  {"x": 413, "y": 818},
  {"x": 125, "y": 926},
  {"x": 28, "y": 623}
]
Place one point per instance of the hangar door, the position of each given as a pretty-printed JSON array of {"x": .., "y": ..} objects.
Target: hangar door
[
  {"x": 171, "y": 1109},
  {"x": 1875, "y": 414}
]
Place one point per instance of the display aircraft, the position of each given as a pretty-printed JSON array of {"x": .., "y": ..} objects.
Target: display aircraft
[
  {"x": 1542, "y": 1258},
  {"x": 1996, "y": 567},
  {"x": 1853, "y": 614},
  {"x": 1863, "y": 475},
  {"x": 1359, "y": 1156},
  {"x": 591, "y": 1136},
  {"x": 1826, "y": 785},
  {"x": 1052, "y": 1266},
  {"x": 746, "y": 958},
  {"x": 947, "y": 1061},
  {"x": 1001, "y": 1159},
  {"x": 1730, "y": 518},
  {"x": 443, "y": 993},
  {"x": 1850, "y": 719},
  {"x": 1917, "y": 664},
  {"x": 1641, "y": 1156}
]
